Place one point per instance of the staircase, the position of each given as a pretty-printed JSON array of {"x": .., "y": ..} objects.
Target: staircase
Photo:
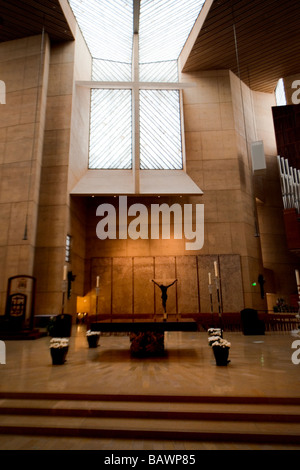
[{"x": 234, "y": 419}]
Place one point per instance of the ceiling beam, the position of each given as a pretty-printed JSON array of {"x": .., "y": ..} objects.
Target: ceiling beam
[{"x": 136, "y": 16}]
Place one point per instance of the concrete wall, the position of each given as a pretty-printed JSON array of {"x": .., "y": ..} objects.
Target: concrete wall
[
  {"x": 65, "y": 136},
  {"x": 222, "y": 118},
  {"x": 219, "y": 121},
  {"x": 126, "y": 285},
  {"x": 24, "y": 66}
]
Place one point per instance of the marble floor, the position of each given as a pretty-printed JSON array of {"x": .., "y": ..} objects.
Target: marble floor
[{"x": 261, "y": 366}]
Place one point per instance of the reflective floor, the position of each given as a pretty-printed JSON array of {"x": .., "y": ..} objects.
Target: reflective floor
[{"x": 261, "y": 366}]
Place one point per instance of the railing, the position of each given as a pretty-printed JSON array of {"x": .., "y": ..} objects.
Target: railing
[{"x": 280, "y": 321}]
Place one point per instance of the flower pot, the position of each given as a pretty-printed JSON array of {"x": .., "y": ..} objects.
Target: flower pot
[
  {"x": 93, "y": 340},
  {"x": 221, "y": 355},
  {"x": 58, "y": 355}
]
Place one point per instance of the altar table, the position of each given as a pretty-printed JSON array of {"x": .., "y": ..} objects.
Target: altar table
[{"x": 146, "y": 338}]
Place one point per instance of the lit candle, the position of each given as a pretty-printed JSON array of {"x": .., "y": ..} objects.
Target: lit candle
[
  {"x": 216, "y": 268},
  {"x": 65, "y": 273},
  {"x": 297, "y": 277},
  {"x": 97, "y": 281},
  {"x": 209, "y": 279}
]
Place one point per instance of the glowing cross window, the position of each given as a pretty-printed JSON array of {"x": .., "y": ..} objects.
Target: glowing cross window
[{"x": 135, "y": 95}]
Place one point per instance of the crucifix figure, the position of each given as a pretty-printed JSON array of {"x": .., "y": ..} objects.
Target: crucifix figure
[{"x": 164, "y": 296}]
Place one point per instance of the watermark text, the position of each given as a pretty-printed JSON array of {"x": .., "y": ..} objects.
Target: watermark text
[
  {"x": 296, "y": 354},
  {"x": 296, "y": 94},
  {"x": 2, "y": 352},
  {"x": 153, "y": 222},
  {"x": 2, "y": 92}
]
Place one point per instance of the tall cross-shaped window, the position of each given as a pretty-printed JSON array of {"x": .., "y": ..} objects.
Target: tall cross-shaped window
[
  {"x": 136, "y": 124},
  {"x": 136, "y": 119}
]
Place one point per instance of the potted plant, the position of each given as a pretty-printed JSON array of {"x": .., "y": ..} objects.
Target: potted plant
[
  {"x": 214, "y": 335},
  {"x": 59, "y": 348},
  {"x": 215, "y": 332},
  {"x": 221, "y": 351},
  {"x": 93, "y": 338},
  {"x": 213, "y": 339}
]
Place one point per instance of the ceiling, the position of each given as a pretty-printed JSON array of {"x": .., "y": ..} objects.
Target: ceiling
[
  {"x": 267, "y": 45},
  {"x": 19, "y": 18}
]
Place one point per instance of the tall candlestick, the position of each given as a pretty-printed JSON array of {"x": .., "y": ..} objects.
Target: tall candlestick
[
  {"x": 65, "y": 273},
  {"x": 297, "y": 277},
  {"x": 209, "y": 279},
  {"x": 216, "y": 269},
  {"x": 97, "y": 281}
]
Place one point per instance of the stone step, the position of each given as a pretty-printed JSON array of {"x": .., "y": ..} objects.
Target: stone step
[
  {"x": 151, "y": 428},
  {"x": 166, "y": 399},
  {"x": 144, "y": 410},
  {"x": 117, "y": 418}
]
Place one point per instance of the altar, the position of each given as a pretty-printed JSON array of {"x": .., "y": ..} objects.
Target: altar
[{"x": 146, "y": 338}]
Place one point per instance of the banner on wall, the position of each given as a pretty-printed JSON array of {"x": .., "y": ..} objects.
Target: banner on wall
[{"x": 19, "y": 310}]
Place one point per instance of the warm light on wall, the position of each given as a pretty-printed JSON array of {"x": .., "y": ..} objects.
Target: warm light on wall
[{"x": 83, "y": 304}]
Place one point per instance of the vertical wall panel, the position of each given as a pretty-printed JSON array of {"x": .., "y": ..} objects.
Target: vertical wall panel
[
  {"x": 232, "y": 286},
  {"x": 205, "y": 266},
  {"x": 101, "y": 267},
  {"x": 122, "y": 286},
  {"x": 143, "y": 272},
  {"x": 187, "y": 287},
  {"x": 126, "y": 285}
]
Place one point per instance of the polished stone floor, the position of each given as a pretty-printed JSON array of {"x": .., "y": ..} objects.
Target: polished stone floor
[{"x": 260, "y": 366}]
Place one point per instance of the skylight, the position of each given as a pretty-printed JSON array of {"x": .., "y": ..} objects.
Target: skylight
[
  {"x": 280, "y": 93},
  {"x": 156, "y": 30},
  {"x": 164, "y": 27},
  {"x": 107, "y": 26}
]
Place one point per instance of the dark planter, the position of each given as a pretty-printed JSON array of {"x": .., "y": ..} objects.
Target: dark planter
[
  {"x": 93, "y": 340},
  {"x": 221, "y": 355},
  {"x": 58, "y": 355}
]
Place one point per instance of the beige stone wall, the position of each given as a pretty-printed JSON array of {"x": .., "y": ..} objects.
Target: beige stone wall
[
  {"x": 219, "y": 120},
  {"x": 24, "y": 66},
  {"x": 228, "y": 116},
  {"x": 126, "y": 268},
  {"x": 222, "y": 117},
  {"x": 126, "y": 285},
  {"x": 65, "y": 137},
  {"x": 53, "y": 209}
]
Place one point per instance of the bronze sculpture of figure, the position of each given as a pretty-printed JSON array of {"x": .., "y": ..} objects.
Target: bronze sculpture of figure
[{"x": 164, "y": 293}]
